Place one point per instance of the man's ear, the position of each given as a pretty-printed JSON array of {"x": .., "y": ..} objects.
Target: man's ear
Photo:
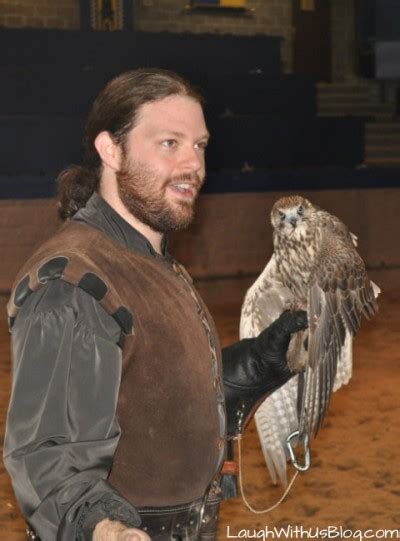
[{"x": 109, "y": 151}]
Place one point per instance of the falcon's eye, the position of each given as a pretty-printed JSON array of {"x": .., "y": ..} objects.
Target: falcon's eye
[
  {"x": 282, "y": 215},
  {"x": 300, "y": 210}
]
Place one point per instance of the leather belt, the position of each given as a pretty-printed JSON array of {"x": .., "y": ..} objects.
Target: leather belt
[
  {"x": 187, "y": 522},
  {"x": 183, "y": 523}
]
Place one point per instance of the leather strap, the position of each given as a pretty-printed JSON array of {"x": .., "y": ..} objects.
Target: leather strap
[{"x": 182, "y": 523}]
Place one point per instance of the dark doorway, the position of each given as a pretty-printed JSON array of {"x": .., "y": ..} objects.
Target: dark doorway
[{"x": 312, "y": 38}]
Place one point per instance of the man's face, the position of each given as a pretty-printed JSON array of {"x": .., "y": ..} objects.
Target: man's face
[{"x": 162, "y": 165}]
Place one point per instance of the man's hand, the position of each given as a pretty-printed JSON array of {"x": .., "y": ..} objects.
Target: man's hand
[
  {"x": 275, "y": 339},
  {"x": 255, "y": 367},
  {"x": 111, "y": 530}
]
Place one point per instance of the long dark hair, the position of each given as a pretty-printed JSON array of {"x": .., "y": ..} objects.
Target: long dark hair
[{"x": 115, "y": 110}]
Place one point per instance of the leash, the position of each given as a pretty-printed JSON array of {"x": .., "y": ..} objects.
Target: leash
[{"x": 288, "y": 488}]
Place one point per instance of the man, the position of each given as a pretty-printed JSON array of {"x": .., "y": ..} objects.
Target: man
[{"x": 117, "y": 419}]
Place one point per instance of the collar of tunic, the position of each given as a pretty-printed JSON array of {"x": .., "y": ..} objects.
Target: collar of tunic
[{"x": 99, "y": 214}]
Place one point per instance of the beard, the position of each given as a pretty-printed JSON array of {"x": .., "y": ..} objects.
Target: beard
[{"x": 143, "y": 194}]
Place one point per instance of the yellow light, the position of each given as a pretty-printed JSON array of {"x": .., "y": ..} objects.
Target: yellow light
[{"x": 233, "y": 3}]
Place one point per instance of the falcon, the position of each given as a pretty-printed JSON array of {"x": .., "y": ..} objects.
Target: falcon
[{"x": 315, "y": 266}]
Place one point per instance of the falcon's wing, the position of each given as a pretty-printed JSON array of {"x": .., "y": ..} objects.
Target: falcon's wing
[
  {"x": 340, "y": 292},
  {"x": 277, "y": 416},
  {"x": 264, "y": 302}
]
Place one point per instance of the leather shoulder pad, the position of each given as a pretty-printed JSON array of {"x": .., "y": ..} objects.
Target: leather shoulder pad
[{"x": 85, "y": 271}]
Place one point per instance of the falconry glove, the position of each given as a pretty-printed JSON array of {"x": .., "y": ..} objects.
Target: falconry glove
[{"x": 255, "y": 367}]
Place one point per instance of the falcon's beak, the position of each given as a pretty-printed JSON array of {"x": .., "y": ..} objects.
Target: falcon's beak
[{"x": 293, "y": 221}]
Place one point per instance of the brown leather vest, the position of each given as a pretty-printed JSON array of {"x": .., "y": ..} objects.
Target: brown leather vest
[{"x": 171, "y": 404}]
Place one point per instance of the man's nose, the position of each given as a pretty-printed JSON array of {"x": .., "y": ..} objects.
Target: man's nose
[{"x": 192, "y": 159}]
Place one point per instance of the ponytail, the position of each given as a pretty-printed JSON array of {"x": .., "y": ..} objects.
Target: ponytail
[{"x": 76, "y": 184}]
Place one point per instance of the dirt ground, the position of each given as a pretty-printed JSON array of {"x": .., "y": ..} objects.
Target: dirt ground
[{"x": 354, "y": 481}]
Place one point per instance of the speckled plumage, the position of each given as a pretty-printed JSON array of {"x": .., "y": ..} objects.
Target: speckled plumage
[{"x": 315, "y": 266}]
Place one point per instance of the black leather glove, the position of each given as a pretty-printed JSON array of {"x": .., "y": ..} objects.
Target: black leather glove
[{"x": 255, "y": 367}]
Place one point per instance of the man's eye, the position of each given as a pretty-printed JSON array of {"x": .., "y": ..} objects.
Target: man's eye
[
  {"x": 202, "y": 145},
  {"x": 169, "y": 143}
]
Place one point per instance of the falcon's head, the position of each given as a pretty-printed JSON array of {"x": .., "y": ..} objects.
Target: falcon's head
[{"x": 290, "y": 214}]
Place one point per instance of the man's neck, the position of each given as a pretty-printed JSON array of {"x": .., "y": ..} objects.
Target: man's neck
[{"x": 115, "y": 202}]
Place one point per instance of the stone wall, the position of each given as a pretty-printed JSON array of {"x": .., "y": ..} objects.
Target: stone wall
[
  {"x": 273, "y": 18},
  {"x": 62, "y": 14},
  {"x": 343, "y": 40}
]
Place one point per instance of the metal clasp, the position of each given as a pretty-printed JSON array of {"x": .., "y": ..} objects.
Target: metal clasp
[{"x": 307, "y": 456}]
